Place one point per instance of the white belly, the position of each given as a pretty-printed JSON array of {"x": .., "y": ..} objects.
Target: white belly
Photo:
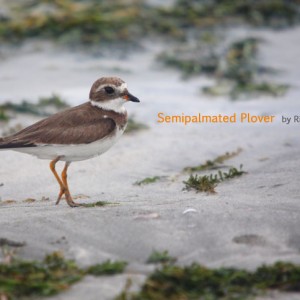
[{"x": 72, "y": 152}]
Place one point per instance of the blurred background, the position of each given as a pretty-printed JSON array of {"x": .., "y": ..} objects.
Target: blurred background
[
  {"x": 178, "y": 57},
  {"x": 52, "y": 51}
]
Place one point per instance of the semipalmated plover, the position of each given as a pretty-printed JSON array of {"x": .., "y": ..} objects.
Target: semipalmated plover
[{"x": 78, "y": 133}]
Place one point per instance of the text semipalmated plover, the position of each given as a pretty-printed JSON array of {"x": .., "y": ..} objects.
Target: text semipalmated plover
[{"x": 77, "y": 133}]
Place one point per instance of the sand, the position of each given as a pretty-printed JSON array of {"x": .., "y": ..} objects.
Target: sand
[{"x": 251, "y": 220}]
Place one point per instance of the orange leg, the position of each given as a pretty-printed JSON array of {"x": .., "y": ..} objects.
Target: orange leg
[
  {"x": 52, "y": 168},
  {"x": 64, "y": 189},
  {"x": 67, "y": 193}
]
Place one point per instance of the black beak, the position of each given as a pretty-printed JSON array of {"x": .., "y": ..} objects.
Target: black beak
[{"x": 130, "y": 97}]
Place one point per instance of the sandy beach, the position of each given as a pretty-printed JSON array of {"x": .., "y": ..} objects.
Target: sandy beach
[{"x": 249, "y": 221}]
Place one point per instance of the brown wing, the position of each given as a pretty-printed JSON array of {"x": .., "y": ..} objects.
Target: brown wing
[{"x": 79, "y": 125}]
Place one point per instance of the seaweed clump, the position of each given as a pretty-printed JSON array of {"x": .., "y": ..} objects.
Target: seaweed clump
[
  {"x": 215, "y": 163},
  {"x": 107, "y": 268},
  {"x": 73, "y": 22},
  {"x": 202, "y": 14},
  {"x": 236, "y": 68},
  {"x": 93, "y": 22},
  {"x": 161, "y": 257},
  {"x": 148, "y": 180},
  {"x": 207, "y": 183},
  {"x": 44, "y": 107},
  {"x": 201, "y": 183},
  {"x": 198, "y": 282},
  {"x": 3, "y": 115},
  {"x": 134, "y": 126},
  {"x": 97, "y": 204},
  {"x": 31, "y": 278},
  {"x": 240, "y": 67},
  {"x": 19, "y": 279}
]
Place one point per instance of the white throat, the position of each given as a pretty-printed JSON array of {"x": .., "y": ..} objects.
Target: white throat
[{"x": 116, "y": 105}]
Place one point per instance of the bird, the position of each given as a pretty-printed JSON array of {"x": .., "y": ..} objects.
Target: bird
[{"x": 77, "y": 133}]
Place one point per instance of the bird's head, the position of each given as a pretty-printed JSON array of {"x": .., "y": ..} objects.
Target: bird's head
[{"x": 110, "y": 93}]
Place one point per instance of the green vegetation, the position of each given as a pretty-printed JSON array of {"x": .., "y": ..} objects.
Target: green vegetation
[
  {"x": 94, "y": 22},
  {"x": 236, "y": 69},
  {"x": 30, "y": 278},
  {"x": 193, "y": 24},
  {"x": 107, "y": 268},
  {"x": 147, "y": 180},
  {"x": 215, "y": 163},
  {"x": 54, "y": 100},
  {"x": 241, "y": 70},
  {"x": 39, "y": 109},
  {"x": 197, "y": 282},
  {"x": 74, "y": 22},
  {"x": 201, "y": 183},
  {"x": 203, "y": 14},
  {"x": 3, "y": 115},
  {"x": 158, "y": 257},
  {"x": 235, "y": 66},
  {"x": 233, "y": 172},
  {"x": 235, "y": 91},
  {"x": 207, "y": 183},
  {"x": 27, "y": 279},
  {"x": 98, "y": 204},
  {"x": 20, "y": 279},
  {"x": 133, "y": 126}
]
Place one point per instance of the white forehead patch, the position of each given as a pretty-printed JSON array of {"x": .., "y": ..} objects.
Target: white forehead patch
[{"x": 122, "y": 87}]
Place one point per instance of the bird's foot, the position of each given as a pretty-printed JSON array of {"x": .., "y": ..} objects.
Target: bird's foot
[
  {"x": 70, "y": 201},
  {"x": 73, "y": 204},
  {"x": 65, "y": 191}
]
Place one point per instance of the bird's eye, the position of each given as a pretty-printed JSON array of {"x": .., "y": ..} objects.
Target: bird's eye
[{"x": 109, "y": 90}]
